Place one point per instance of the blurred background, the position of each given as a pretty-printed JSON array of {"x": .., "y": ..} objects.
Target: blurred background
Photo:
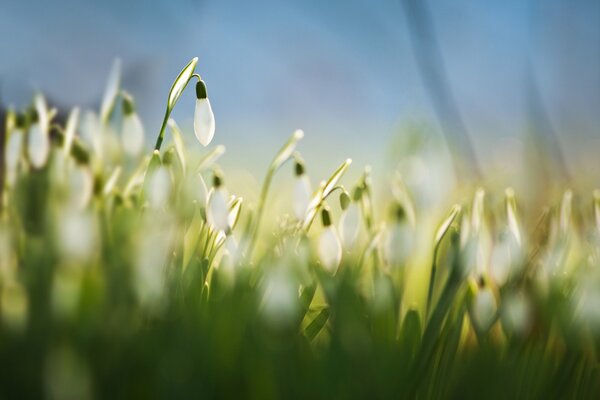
[{"x": 356, "y": 75}]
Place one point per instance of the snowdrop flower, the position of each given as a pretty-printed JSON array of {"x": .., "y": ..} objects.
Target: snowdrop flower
[
  {"x": 14, "y": 148},
  {"x": 505, "y": 258},
  {"x": 302, "y": 191},
  {"x": 77, "y": 235},
  {"x": 399, "y": 240},
  {"x": 517, "y": 313},
  {"x": 217, "y": 209},
  {"x": 280, "y": 297},
  {"x": 204, "y": 119},
  {"x": 38, "y": 144},
  {"x": 330, "y": 248},
  {"x": 484, "y": 309},
  {"x": 350, "y": 219},
  {"x": 132, "y": 130},
  {"x": 159, "y": 188}
]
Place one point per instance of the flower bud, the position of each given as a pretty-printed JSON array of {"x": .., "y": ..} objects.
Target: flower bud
[
  {"x": 132, "y": 130},
  {"x": 204, "y": 119},
  {"x": 330, "y": 248}
]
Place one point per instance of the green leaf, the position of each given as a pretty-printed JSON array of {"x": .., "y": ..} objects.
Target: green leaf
[
  {"x": 511, "y": 214},
  {"x": 286, "y": 151},
  {"x": 180, "y": 83},
  {"x": 234, "y": 211},
  {"x": 335, "y": 177},
  {"x": 410, "y": 333},
  {"x": 112, "y": 181},
  {"x": 178, "y": 142},
  {"x": 70, "y": 129},
  {"x": 111, "y": 91},
  {"x": 317, "y": 324},
  {"x": 209, "y": 159},
  {"x": 441, "y": 231},
  {"x": 321, "y": 194}
]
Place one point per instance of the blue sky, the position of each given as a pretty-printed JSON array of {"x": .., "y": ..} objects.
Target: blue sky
[{"x": 335, "y": 68}]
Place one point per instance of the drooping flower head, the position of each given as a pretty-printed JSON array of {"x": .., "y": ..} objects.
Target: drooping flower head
[
  {"x": 330, "y": 248},
  {"x": 133, "y": 130},
  {"x": 302, "y": 190},
  {"x": 204, "y": 119}
]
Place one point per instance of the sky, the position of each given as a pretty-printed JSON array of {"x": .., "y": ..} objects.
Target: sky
[{"x": 344, "y": 71}]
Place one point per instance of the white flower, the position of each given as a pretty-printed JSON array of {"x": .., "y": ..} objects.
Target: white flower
[
  {"x": 204, "y": 119},
  {"x": 217, "y": 209},
  {"x": 132, "y": 134},
  {"x": 159, "y": 188},
  {"x": 484, "y": 309},
  {"x": 280, "y": 300},
  {"x": 81, "y": 186},
  {"x": 302, "y": 193},
  {"x": 13, "y": 153},
  {"x": 398, "y": 243},
  {"x": 330, "y": 249},
  {"x": 350, "y": 225},
  {"x": 38, "y": 146},
  {"x": 77, "y": 235},
  {"x": 516, "y": 313},
  {"x": 505, "y": 258}
]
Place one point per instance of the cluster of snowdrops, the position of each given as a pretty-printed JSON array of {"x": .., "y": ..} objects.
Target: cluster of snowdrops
[{"x": 80, "y": 198}]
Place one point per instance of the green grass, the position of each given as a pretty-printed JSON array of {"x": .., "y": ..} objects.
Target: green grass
[{"x": 115, "y": 282}]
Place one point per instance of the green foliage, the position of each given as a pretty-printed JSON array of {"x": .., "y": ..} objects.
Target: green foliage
[{"x": 115, "y": 281}]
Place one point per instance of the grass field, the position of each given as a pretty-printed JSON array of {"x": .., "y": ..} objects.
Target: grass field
[{"x": 133, "y": 275}]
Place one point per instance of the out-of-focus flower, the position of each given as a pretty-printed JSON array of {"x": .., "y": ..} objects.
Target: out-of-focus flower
[
  {"x": 204, "y": 119},
  {"x": 398, "y": 240},
  {"x": 14, "y": 148},
  {"x": 280, "y": 300},
  {"x": 38, "y": 143},
  {"x": 302, "y": 190},
  {"x": 132, "y": 130},
  {"x": 484, "y": 309},
  {"x": 217, "y": 209},
  {"x": 351, "y": 218},
  {"x": 330, "y": 248},
  {"x": 159, "y": 188}
]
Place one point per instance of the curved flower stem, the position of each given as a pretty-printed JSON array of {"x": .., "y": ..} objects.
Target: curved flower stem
[
  {"x": 174, "y": 94},
  {"x": 261, "y": 206}
]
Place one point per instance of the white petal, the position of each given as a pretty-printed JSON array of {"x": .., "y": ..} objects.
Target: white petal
[
  {"x": 132, "y": 135},
  {"x": 330, "y": 249},
  {"x": 484, "y": 309},
  {"x": 217, "y": 212},
  {"x": 500, "y": 264},
  {"x": 350, "y": 225},
  {"x": 280, "y": 297},
  {"x": 81, "y": 183},
  {"x": 38, "y": 146},
  {"x": 398, "y": 244},
  {"x": 204, "y": 121},
  {"x": 77, "y": 235},
  {"x": 201, "y": 192},
  {"x": 13, "y": 153},
  {"x": 159, "y": 188},
  {"x": 302, "y": 193}
]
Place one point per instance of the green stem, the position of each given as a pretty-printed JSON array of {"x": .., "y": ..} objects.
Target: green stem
[
  {"x": 431, "y": 282},
  {"x": 161, "y": 134},
  {"x": 261, "y": 206}
]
